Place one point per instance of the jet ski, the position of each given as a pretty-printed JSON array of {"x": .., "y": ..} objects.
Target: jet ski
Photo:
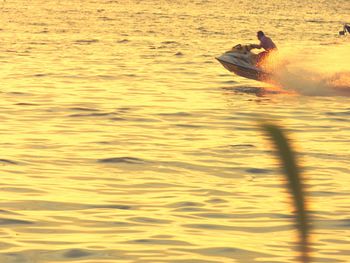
[
  {"x": 346, "y": 30},
  {"x": 241, "y": 61}
]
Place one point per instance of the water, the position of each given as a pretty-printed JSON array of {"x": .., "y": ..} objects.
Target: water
[{"x": 123, "y": 140}]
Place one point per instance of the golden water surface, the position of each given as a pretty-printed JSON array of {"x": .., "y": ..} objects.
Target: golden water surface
[{"x": 124, "y": 140}]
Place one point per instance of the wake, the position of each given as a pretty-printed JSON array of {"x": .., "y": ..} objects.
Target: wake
[{"x": 321, "y": 72}]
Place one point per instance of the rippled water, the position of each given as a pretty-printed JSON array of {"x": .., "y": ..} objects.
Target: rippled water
[{"x": 123, "y": 140}]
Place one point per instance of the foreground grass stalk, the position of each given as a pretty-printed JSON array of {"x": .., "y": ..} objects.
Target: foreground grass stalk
[{"x": 294, "y": 183}]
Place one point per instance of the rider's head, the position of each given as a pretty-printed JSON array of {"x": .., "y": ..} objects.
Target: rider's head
[{"x": 260, "y": 34}]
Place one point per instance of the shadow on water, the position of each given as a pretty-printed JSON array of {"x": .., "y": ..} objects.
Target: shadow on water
[
  {"x": 255, "y": 90},
  {"x": 294, "y": 185}
]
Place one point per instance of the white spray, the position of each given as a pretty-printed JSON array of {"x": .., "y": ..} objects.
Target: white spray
[{"x": 324, "y": 71}]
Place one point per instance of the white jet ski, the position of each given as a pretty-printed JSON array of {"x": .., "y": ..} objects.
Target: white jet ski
[{"x": 241, "y": 61}]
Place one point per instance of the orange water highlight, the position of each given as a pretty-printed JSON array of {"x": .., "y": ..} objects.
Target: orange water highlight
[{"x": 317, "y": 72}]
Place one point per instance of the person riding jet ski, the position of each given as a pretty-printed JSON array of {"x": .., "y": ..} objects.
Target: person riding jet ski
[
  {"x": 265, "y": 43},
  {"x": 346, "y": 30},
  {"x": 241, "y": 61}
]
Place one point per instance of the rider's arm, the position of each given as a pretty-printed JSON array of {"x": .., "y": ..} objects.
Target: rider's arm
[{"x": 255, "y": 46}]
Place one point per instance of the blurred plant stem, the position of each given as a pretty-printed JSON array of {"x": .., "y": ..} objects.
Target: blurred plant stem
[{"x": 294, "y": 184}]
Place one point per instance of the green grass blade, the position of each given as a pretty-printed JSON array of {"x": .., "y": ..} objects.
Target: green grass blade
[{"x": 294, "y": 183}]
